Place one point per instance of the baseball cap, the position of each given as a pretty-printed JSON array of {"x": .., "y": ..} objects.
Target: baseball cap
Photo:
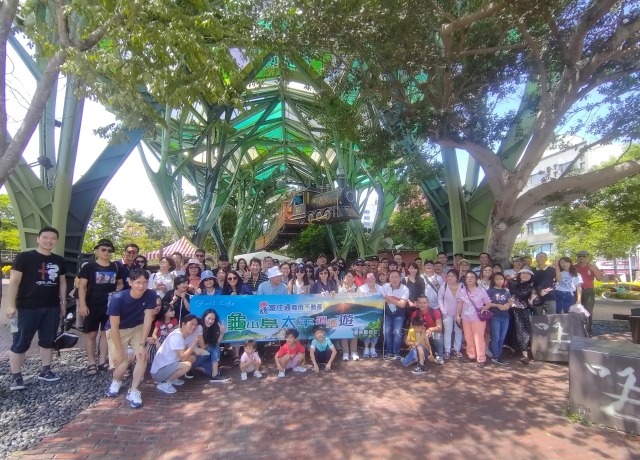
[
  {"x": 375, "y": 258},
  {"x": 206, "y": 275},
  {"x": 321, "y": 255},
  {"x": 223, "y": 258},
  {"x": 583, "y": 253},
  {"x": 104, "y": 242},
  {"x": 516, "y": 259},
  {"x": 359, "y": 261}
]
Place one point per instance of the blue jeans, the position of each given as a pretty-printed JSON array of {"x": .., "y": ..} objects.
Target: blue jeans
[
  {"x": 437, "y": 344},
  {"x": 412, "y": 357},
  {"x": 205, "y": 363},
  {"x": 564, "y": 300},
  {"x": 392, "y": 344},
  {"x": 215, "y": 352},
  {"x": 499, "y": 326}
]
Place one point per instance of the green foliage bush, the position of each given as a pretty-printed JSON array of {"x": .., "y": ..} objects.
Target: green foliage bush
[{"x": 625, "y": 296}]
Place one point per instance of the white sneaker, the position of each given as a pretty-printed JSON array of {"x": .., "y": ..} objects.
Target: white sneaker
[
  {"x": 257, "y": 374},
  {"x": 177, "y": 382},
  {"x": 135, "y": 399},
  {"x": 366, "y": 353},
  {"x": 243, "y": 376},
  {"x": 439, "y": 360},
  {"x": 355, "y": 357},
  {"x": 114, "y": 389},
  {"x": 488, "y": 353},
  {"x": 281, "y": 374},
  {"x": 166, "y": 387},
  {"x": 299, "y": 369},
  {"x": 373, "y": 353},
  {"x": 345, "y": 356}
]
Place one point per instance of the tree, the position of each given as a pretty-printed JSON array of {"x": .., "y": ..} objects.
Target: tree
[
  {"x": 411, "y": 224},
  {"x": 106, "y": 222},
  {"x": 136, "y": 233},
  {"x": 9, "y": 238},
  {"x": 154, "y": 227},
  {"x": 445, "y": 73},
  {"x": 521, "y": 248},
  {"x": 311, "y": 242}
]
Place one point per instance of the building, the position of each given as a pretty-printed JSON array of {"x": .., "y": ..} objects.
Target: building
[
  {"x": 535, "y": 230},
  {"x": 369, "y": 212}
]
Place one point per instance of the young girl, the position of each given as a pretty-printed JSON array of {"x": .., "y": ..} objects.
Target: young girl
[
  {"x": 348, "y": 286},
  {"x": 370, "y": 287},
  {"x": 152, "y": 349},
  {"x": 164, "y": 327},
  {"x": 250, "y": 361},
  {"x": 485, "y": 278},
  {"x": 569, "y": 285},
  {"x": 499, "y": 324},
  {"x": 300, "y": 284}
]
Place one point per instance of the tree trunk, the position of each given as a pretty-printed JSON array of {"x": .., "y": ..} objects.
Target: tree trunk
[{"x": 504, "y": 230}]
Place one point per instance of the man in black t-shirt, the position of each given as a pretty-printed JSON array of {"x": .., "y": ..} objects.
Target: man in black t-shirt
[
  {"x": 127, "y": 263},
  {"x": 98, "y": 280},
  {"x": 545, "y": 278},
  {"x": 37, "y": 293}
]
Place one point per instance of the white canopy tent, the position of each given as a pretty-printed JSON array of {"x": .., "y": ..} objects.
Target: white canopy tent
[{"x": 261, "y": 255}]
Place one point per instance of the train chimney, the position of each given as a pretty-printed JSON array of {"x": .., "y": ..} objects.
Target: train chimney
[{"x": 341, "y": 180}]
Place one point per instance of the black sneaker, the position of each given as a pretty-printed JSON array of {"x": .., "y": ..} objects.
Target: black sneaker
[
  {"x": 389, "y": 356},
  {"x": 480, "y": 365},
  {"x": 217, "y": 379},
  {"x": 500, "y": 361},
  {"x": 17, "y": 383},
  {"x": 188, "y": 375},
  {"x": 419, "y": 370},
  {"x": 48, "y": 376}
]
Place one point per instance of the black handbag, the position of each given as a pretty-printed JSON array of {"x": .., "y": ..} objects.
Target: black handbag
[{"x": 64, "y": 340}]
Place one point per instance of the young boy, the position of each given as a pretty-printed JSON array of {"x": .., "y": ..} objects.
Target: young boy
[
  {"x": 250, "y": 361},
  {"x": 419, "y": 344},
  {"x": 291, "y": 354},
  {"x": 322, "y": 351}
]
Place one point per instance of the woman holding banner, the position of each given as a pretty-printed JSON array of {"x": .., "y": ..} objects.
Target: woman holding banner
[
  {"x": 300, "y": 284},
  {"x": 349, "y": 345}
]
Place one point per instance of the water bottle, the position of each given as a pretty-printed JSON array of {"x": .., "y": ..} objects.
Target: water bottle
[{"x": 14, "y": 324}]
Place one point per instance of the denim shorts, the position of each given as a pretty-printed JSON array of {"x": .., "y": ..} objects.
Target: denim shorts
[
  {"x": 46, "y": 321},
  {"x": 214, "y": 351}
]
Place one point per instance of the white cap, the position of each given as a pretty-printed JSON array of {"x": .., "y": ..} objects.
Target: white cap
[{"x": 273, "y": 272}]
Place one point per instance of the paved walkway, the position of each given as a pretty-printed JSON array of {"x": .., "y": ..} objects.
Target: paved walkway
[{"x": 363, "y": 410}]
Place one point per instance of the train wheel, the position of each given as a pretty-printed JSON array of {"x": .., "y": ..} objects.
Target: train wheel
[
  {"x": 318, "y": 214},
  {"x": 327, "y": 214},
  {"x": 310, "y": 217}
]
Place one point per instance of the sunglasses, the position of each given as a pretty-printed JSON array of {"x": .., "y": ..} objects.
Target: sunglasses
[
  {"x": 208, "y": 279},
  {"x": 140, "y": 261},
  {"x": 232, "y": 278},
  {"x": 199, "y": 256},
  {"x": 109, "y": 250},
  {"x": 359, "y": 265}
]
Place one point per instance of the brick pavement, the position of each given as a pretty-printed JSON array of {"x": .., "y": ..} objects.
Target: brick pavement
[{"x": 363, "y": 410}]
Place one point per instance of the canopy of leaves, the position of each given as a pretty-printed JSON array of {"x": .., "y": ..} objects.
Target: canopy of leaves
[
  {"x": 9, "y": 238},
  {"x": 411, "y": 224}
]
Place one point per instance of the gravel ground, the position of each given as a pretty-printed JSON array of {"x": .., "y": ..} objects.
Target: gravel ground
[{"x": 27, "y": 416}]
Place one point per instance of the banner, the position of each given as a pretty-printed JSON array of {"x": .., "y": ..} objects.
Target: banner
[{"x": 266, "y": 318}]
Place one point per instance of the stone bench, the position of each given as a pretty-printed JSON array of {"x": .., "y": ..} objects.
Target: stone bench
[
  {"x": 552, "y": 334},
  {"x": 603, "y": 386}
]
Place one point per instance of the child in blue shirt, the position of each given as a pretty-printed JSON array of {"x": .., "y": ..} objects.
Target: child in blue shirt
[
  {"x": 499, "y": 306},
  {"x": 322, "y": 351}
]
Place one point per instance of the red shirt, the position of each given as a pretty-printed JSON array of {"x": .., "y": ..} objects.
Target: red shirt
[
  {"x": 587, "y": 276},
  {"x": 428, "y": 321},
  {"x": 284, "y": 349},
  {"x": 360, "y": 280}
]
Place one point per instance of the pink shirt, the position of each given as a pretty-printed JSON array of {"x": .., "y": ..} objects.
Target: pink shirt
[
  {"x": 446, "y": 301},
  {"x": 470, "y": 304}
]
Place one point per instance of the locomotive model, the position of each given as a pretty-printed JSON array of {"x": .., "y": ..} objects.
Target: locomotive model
[{"x": 316, "y": 206}]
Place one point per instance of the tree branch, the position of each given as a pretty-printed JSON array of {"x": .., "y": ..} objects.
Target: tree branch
[
  {"x": 493, "y": 168},
  {"x": 576, "y": 186},
  {"x": 63, "y": 24},
  {"x": 8, "y": 11},
  {"x": 576, "y": 42},
  {"x": 460, "y": 23},
  {"x": 493, "y": 49},
  {"x": 14, "y": 150},
  {"x": 542, "y": 71}
]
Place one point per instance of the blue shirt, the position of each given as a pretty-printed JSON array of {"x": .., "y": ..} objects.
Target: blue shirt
[
  {"x": 321, "y": 346},
  {"x": 499, "y": 296},
  {"x": 130, "y": 310},
  {"x": 267, "y": 289},
  {"x": 123, "y": 272}
]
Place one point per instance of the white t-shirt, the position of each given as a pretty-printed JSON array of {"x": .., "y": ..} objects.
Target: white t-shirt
[
  {"x": 188, "y": 340},
  {"x": 568, "y": 283},
  {"x": 365, "y": 289},
  {"x": 245, "y": 357},
  {"x": 168, "y": 351},
  {"x": 432, "y": 294},
  {"x": 402, "y": 292}
]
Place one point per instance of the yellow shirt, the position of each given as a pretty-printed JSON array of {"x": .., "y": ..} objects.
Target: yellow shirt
[{"x": 420, "y": 339}]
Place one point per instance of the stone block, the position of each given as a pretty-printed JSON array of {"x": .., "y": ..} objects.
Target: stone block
[
  {"x": 552, "y": 334},
  {"x": 603, "y": 385}
]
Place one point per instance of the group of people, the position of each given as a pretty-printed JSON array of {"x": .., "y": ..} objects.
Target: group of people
[{"x": 146, "y": 319}]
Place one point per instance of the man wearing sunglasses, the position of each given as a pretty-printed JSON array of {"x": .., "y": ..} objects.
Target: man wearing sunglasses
[
  {"x": 127, "y": 263},
  {"x": 98, "y": 280},
  {"x": 200, "y": 255}
]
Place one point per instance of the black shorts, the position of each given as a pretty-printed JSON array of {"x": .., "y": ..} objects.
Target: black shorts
[
  {"x": 322, "y": 357},
  {"x": 45, "y": 321},
  {"x": 96, "y": 320}
]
